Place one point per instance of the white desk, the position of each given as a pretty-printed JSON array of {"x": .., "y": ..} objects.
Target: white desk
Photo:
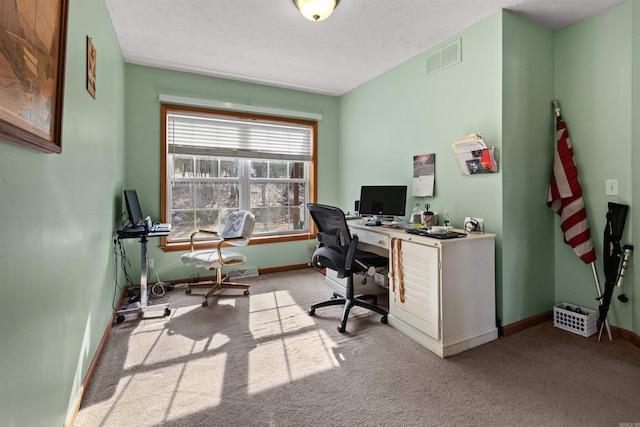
[{"x": 441, "y": 292}]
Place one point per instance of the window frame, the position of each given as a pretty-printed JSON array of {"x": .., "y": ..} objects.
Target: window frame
[{"x": 311, "y": 231}]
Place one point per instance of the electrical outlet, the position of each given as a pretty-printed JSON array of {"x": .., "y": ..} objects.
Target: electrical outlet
[
  {"x": 611, "y": 187},
  {"x": 150, "y": 263}
]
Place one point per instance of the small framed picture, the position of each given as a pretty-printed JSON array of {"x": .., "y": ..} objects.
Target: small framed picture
[{"x": 33, "y": 48}]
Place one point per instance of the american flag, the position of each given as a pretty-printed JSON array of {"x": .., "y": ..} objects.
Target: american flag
[{"x": 565, "y": 198}]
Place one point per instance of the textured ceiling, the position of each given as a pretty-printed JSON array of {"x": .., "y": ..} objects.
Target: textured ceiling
[{"x": 270, "y": 42}]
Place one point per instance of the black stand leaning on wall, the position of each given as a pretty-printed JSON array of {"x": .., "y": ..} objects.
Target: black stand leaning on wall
[{"x": 613, "y": 256}]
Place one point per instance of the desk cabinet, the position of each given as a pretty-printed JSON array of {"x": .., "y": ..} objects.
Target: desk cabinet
[
  {"x": 415, "y": 292},
  {"x": 441, "y": 292}
]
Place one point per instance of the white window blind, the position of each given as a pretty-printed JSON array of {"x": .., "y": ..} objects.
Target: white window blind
[{"x": 225, "y": 136}]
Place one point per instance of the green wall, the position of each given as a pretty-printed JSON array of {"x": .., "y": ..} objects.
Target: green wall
[
  {"x": 144, "y": 85},
  {"x": 64, "y": 208},
  {"x": 527, "y": 155},
  {"x": 502, "y": 89},
  {"x": 404, "y": 112},
  {"x": 58, "y": 213},
  {"x": 511, "y": 71},
  {"x": 593, "y": 66}
]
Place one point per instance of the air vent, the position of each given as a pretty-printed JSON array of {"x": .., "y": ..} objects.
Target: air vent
[
  {"x": 236, "y": 273},
  {"x": 447, "y": 56}
]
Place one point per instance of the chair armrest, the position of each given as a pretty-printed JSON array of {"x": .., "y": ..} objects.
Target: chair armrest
[
  {"x": 193, "y": 235},
  {"x": 326, "y": 257},
  {"x": 351, "y": 254}
]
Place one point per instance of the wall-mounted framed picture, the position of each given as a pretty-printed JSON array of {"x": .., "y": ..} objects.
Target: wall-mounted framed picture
[
  {"x": 91, "y": 68},
  {"x": 32, "y": 70}
]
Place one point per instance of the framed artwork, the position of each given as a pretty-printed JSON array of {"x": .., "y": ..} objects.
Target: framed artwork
[
  {"x": 33, "y": 34},
  {"x": 91, "y": 68}
]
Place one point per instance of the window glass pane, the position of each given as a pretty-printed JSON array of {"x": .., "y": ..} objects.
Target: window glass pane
[
  {"x": 229, "y": 168},
  {"x": 297, "y": 170},
  {"x": 277, "y": 206},
  {"x": 206, "y": 167},
  {"x": 185, "y": 222},
  {"x": 277, "y": 219},
  {"x": 182, "y": 224},
  {"x": 259, "y": 169},
  {"x": 278, "y": 170},
  {"x": 208, "y": 220},
  {"x": 216, "y": 194},
  {"x": 181, "y": 196},
  {"x": 224, "y": 164},
  {"x": 182, "y": 166}
]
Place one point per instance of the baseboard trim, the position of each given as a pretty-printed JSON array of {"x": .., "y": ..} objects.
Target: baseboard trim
[
  {"x": 546, "y": 316},
  {"x": 260, "y": 272},
  {"x": 87, "y": 379},
  {"x": 523, "y": 324},
  {"x": 625, "y": 335}
]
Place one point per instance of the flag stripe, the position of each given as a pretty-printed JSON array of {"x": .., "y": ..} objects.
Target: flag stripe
[{"x": 565, "y": 198}]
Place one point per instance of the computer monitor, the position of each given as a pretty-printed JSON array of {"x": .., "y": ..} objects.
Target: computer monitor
[
  {"x": 133, "y": 207},
  {"x": 383, "y": 200}
]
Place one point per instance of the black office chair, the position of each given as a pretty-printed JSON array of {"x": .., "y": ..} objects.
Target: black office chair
[{"x": 337, "y": 251}]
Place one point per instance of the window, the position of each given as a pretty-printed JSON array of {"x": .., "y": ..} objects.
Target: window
[{"x": 216, "y": 162}]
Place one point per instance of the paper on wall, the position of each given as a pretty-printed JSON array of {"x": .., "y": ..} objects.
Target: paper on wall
[{"x": 424, "y": 173}]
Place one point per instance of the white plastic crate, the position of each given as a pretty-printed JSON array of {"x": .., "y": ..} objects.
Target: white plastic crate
[
  {"x": 382, "y": 279},
  {"x": 582, "y": 323}
]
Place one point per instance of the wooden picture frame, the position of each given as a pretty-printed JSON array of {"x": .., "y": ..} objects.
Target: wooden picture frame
[{"x": 32, "y": 72}]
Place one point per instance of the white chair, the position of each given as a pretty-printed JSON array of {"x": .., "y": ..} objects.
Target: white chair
[{"x": 237, "y": 232}]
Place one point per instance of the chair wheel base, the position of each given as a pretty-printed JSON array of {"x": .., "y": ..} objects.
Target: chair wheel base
[
  {"x": 246, "y": 292},
  {"x": 341, "y": 328},
  {"x": 205, "y": 303},
  {"x": 187, "y": 291},
  {"x": 384, "y": 319},
  {"x": 312, "y": 311}
]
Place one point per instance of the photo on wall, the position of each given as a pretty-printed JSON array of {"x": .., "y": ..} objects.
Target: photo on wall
[{"x": 424, "y": 174}]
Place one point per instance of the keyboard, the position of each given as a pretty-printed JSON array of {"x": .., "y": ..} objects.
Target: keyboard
[
  {"x": 436, "y": 235},
  {"x": 160, "y": 228}
]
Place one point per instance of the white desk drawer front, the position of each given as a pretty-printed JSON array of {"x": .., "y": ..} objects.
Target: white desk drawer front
[
  {"x": 372, "y": 238},
  {"x": 416, "y": 297}
]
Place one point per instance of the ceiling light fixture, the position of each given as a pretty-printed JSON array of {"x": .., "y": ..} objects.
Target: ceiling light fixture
[{"x": 316, "y": 10}]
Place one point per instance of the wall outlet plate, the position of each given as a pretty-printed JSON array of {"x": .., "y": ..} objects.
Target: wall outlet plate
[
  {"x": 473, "y": 224},
  {"x": 611, "y": 187}
]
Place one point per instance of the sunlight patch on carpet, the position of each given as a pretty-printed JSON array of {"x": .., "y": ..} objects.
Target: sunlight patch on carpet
[
  {"x": 199, "y": 386},
  {"x": 289, "y": 347},
  {"x": 276, "y": 313},
  {"x": 290, "y": 358}
]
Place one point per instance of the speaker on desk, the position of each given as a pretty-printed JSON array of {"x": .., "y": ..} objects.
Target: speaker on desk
[{"x": 357, "y": 206}]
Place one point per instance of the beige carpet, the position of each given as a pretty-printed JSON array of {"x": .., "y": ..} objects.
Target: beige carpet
[{"x": 262, "y": 360}]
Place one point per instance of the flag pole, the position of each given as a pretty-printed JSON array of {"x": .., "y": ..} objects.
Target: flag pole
[
  {"x": 556, "y": 108},
  {"x": 599, "y": 292}
]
